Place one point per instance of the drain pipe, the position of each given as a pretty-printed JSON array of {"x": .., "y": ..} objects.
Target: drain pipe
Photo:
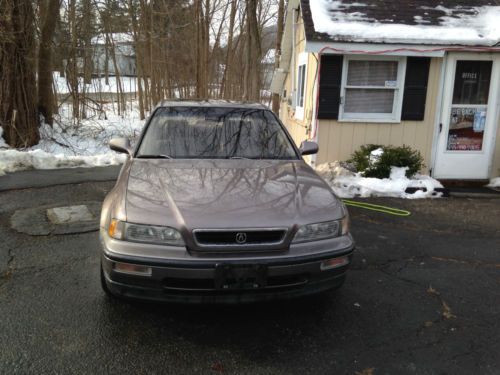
[
  {"x": 292, "y": 70},
  {"x": 314, "y": 123}
]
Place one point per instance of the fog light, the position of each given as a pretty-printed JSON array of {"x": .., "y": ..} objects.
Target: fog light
[
  {"x": 132, "y": 269},
  {"x": 333, "y": 263}
]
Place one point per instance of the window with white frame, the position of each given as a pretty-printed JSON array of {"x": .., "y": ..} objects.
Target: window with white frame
[
  {"x": 372, "y": 89},
  {"x": 301, "y": 86}
]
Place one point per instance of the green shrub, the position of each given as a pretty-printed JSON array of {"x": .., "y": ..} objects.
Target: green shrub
[{"x": 392, "y": 157}]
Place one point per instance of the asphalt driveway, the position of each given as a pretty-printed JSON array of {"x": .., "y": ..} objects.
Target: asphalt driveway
[{"x": 423, "y": 297}]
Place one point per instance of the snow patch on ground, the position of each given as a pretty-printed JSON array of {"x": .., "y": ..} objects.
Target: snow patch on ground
[
  {"x": 71, "y": 144},
  {"x": 494, "y": 182},
  {"x": 479, "y": 28},
  {"x": 347, "y": 184}
]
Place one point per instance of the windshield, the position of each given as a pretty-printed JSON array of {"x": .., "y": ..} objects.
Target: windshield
[{"x": 215, "y": 133}]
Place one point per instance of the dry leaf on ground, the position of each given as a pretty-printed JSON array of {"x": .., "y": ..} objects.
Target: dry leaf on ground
[
  {"x": 447, "y": 311},
  {"x": 366, "y": 371}
]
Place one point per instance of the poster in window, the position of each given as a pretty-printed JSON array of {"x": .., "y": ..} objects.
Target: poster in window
[{"x": 466, "y": 129}]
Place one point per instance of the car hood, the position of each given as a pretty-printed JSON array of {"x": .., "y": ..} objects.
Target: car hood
[{"x": 195, "y": 194}]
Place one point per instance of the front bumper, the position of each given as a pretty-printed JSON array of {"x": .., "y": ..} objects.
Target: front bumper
[{"x": 210, "y": 279}]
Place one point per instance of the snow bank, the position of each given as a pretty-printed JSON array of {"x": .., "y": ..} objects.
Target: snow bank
[
  {"x": 13, "y": 160},
  {"x": 69, "y": 144},
  {"x": 495, "y": 182},
  {"x": 347, "y": 184},
  {"x": 481, "y": 27}
]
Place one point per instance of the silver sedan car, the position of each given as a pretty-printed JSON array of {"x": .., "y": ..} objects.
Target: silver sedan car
[{"x": 216, "y": 204}]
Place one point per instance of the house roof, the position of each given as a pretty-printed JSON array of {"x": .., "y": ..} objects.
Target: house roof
[
  {"x": 442, "y": 22},
  {"x": 114, "y": 38}
]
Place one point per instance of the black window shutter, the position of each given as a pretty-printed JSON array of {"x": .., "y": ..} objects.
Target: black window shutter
[
  {"x": 329, "y": 86},
  {"x": 415, "y": 92}
]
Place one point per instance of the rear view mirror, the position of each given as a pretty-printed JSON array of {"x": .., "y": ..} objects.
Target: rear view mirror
[
  {"x": 308, "y": 148},
  {"x": 120, "y": 145}
]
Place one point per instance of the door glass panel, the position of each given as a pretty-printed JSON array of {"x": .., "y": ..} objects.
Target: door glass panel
[
  {"x": 469, "y": 108},
  {"x": 466, "y": 129},
  {"x": 472, "y": 82}
]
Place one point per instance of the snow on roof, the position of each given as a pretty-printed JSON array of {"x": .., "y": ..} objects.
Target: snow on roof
[
  {"x": 269, "y": 57},
  {"x": 115, "y": 38},
  {"x": 389, "y": 21}
]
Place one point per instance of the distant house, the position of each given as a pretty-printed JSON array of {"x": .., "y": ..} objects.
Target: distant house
[
  {"x": 267, "y": 66},
  {"x": 354, "y": 72},
  {"x": 124, "y": 53}
]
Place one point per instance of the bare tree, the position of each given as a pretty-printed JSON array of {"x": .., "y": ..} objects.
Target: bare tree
[
  {"x": 49, "y": 10},
  {"x": 279, "y": 36},
  {"x": 18, "y": 113},
  {"x": 251, "y": 88}
]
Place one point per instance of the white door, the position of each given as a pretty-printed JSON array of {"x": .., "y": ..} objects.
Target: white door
[{"x": 469, "y": 117}]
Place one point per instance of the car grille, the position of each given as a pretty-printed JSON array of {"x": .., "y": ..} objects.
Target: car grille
[{"x": 243, "y": 237}]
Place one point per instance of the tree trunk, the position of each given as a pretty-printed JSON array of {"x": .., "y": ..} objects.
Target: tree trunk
[
  {"x": 277, "y": 55},
  {"x": 18, "y": 113},
  {"x": 225, "y": 93},
  {"x": 86, "y": 35},
  {"x": 72, "y": 67},
  {"x": 46, "y": 102},
  {"x": 138, "y": 64},
  {"x": 251, "y": 81}
]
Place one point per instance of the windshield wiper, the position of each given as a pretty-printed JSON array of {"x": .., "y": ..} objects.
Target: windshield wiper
[
  {"x": 242, "y": 158},
  {"x": 159, "y": 156}
]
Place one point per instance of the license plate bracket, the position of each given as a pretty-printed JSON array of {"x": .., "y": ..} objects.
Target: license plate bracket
[{"x": 240, "y": 277}]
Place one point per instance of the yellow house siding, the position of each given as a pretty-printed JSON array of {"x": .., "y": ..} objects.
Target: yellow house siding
[
  {"x": 299, "y": 129},
  {"x": 495, "y": 170},
  {"x": 338, "y": 140}
]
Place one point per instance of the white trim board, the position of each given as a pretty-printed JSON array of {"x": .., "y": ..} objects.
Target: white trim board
[
  {"x": 467, "y": 164},
  {"x": 395, "y": 115},
  {"x": 363, "y": 48}
]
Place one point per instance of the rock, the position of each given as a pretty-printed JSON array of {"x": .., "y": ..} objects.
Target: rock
[{"x": 69, "y": 214}]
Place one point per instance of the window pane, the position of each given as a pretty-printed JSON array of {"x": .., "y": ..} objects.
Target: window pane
[
  {"x": 368, "y": 101},
  {"x": 472, "y": 82},
  {"x": 372, "y": 73}
]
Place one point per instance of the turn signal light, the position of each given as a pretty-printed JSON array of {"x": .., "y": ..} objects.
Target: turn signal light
[
  {"x": 132, "y": 269},
  {"x": 334, "y": 263}
]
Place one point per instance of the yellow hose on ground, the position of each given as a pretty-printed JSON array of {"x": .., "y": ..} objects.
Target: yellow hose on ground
[{"x": 377, "y": 208}]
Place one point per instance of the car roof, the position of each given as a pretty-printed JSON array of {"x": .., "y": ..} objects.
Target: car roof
[{"x": 210, "y": 103}]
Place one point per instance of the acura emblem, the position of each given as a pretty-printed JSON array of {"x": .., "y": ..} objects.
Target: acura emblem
[{"x": 241, "y": 238}]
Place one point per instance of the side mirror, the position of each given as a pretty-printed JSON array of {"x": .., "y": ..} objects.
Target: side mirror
[
  {"x": 308, "y": 148},
  {"x": 120, "y": 145}
]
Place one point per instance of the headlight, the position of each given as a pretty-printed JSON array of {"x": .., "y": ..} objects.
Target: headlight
[
  {"x": 321, "y": 231},
  {"x": 121, "y": 230}
]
